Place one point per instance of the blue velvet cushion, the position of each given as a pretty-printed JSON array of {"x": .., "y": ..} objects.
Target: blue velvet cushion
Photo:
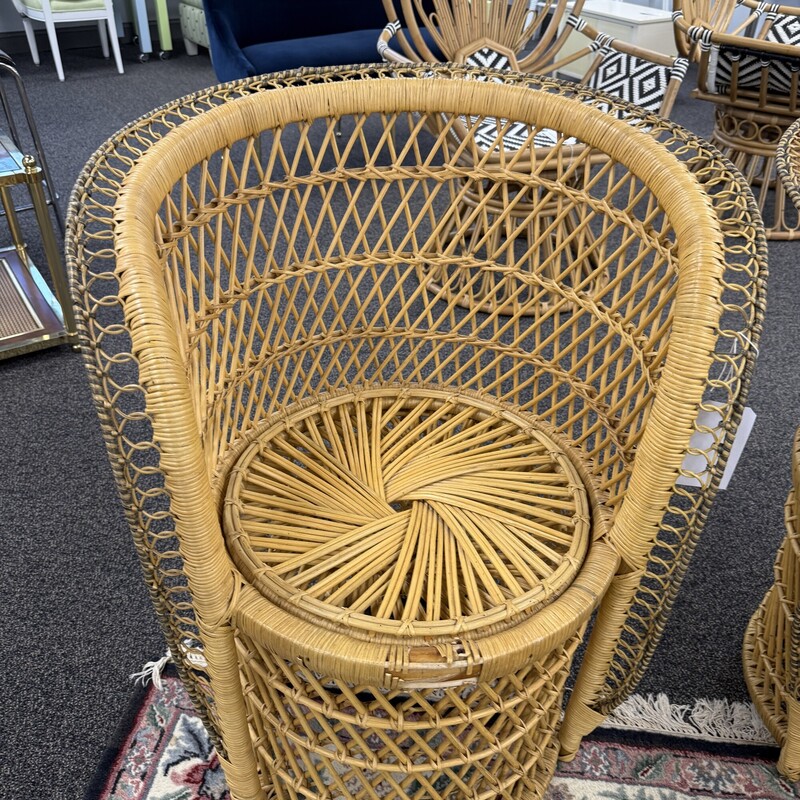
[
  {"x": 251, "y": 37},
  {"x": 353, "y": 47}
]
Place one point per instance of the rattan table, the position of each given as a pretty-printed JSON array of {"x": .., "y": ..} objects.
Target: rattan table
[{"x": 374, "y": 522}]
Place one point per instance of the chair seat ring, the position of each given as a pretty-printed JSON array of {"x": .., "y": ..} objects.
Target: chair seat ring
[{"x": 408, "y": 512}]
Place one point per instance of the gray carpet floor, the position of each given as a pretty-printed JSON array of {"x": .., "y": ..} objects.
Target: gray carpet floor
[{"x": 76, "y": 618}]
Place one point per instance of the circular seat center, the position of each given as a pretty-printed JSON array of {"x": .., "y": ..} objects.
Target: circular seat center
[{"x": 407, "y": 512}]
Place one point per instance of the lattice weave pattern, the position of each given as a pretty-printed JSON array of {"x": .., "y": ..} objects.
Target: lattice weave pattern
[{"x": 452, "y": 743}]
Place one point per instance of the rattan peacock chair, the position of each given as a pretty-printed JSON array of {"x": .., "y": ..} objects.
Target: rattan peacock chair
[
  {"x": 648, "y": 79},
  {"x": 771, "y": 650},
  {"x": 514, "y": 35},
  {"x": 374, "y": 524},
  {"x": 752, "y": 75}
]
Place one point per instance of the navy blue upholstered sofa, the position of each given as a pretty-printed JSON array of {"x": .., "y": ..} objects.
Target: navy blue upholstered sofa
[{"x": 251, "y": 37}]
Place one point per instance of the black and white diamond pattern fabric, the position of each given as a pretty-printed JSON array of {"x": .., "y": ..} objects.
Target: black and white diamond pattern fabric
[
  {"x": 779, "y": 78},
  {"x": 785, "y": 29},
  {"x": 633, "y": 79},
  {"x": 515, "y": 135},
  {"x": 625, "y": 76},
  {"x": 486, "y": 58}
]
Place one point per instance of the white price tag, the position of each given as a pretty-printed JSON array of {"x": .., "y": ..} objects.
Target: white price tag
[{"x": 705, "y": 442}]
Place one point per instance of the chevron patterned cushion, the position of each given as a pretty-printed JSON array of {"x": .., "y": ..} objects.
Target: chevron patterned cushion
[{"x": 785, "y": 29}]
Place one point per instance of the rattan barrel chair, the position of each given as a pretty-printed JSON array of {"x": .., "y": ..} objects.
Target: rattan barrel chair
[
  {"x": 752, "y": 76},
  {"x": 771, "y": 651},
  {"x": 374, "y": 524},
  {"x": 646, "y": 78}
]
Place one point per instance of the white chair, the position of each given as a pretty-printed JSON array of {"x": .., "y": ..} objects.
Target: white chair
[{"x": 52, "y": 12}]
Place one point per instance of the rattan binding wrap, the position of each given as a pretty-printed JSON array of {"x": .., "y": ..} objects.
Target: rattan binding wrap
[{"x": 215, "y": 198}]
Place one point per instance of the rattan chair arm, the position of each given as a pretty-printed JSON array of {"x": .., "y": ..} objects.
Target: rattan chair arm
[
  {"x": 410, "y": 35},
  {"x": 386, "y": 52},
  {"x": 719, "y": 38},
  {"x": 630, "y": 49}
]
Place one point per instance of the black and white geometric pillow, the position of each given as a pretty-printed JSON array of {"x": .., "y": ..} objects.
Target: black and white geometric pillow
[
  {"x": 486, "y": 58},
  {"x": 633, "y": 79}
]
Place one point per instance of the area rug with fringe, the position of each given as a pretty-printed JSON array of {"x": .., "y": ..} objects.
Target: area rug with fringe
[{"x": 716, "y": 750}]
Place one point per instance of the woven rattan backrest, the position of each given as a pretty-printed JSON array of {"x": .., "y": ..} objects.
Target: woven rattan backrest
[
  {"x": 202, "y": 214},
  {"x": 247, "y": 273},
  {"x": 511, "y": 34}
]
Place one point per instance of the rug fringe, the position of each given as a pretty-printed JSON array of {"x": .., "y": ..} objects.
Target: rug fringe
[
  {"x": 712, "y": 720},
  {"x": 152, "y": 671}
]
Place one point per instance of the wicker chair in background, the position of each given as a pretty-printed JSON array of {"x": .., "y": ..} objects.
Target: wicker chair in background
[
  {"x": 771, "y": 651},
  {"x": 508, "y": 35},
  {"x": 648, "y": 79},
  {"x": 374, "y": 524},
  {"x": 753, "y": 81}
]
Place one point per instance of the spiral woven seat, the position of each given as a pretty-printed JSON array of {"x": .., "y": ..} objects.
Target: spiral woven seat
[
  {"x": 414, "y": 513},
  {"x": 374, "y": 520}
]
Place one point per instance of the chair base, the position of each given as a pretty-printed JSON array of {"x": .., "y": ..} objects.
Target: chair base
[
  {"x": 398, "y": 528},
  {"x": 769, "y": 677},
  {"x": 750, "y": 141}
]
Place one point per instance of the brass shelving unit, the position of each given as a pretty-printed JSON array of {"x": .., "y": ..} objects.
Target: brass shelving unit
[{"x": 32, "y": 316}]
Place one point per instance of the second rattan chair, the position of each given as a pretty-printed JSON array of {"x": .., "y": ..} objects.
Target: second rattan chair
[
  {"x": 374, "y": 523},
  {"x": 752, "y": 76},
  {"x": 771, "y": 652},
  {"x": 772, "y": 642}
]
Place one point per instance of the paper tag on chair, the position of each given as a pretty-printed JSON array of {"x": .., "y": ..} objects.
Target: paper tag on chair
[{"x": 704, "y": 441}]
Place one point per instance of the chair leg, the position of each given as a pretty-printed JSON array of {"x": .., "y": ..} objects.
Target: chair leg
[
  {"x": 101, "y": 27},
  {"x": 190, "y": 47},
  {"x": 164, "y": 33},
  {"x": 31, "y": 37},
  {"x": 53, "y": 39},
  {"x": 115, "y": 42}
]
